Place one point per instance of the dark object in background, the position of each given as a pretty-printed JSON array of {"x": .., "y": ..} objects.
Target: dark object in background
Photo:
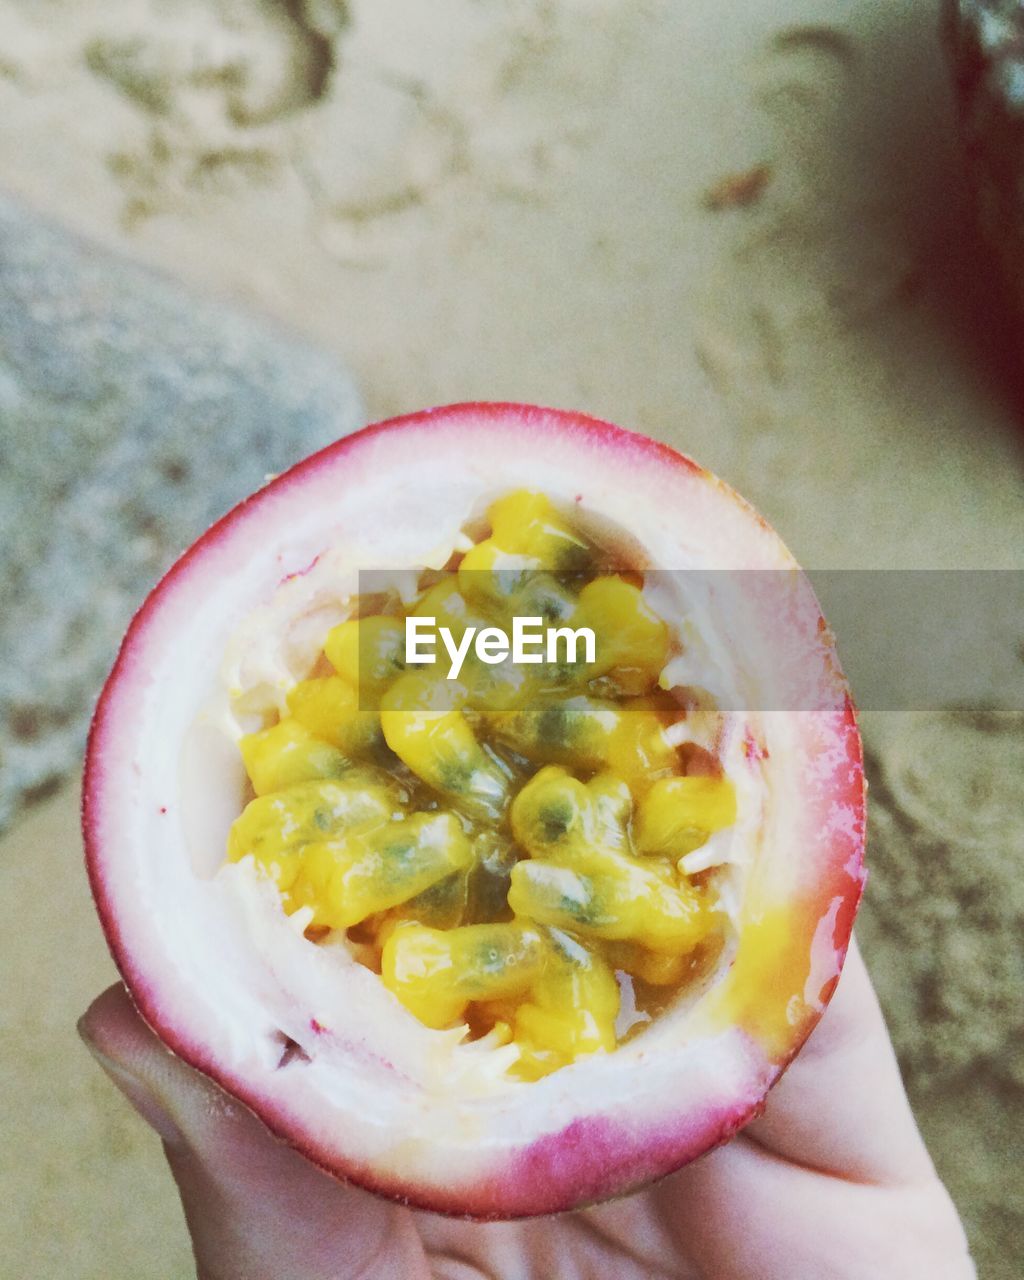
[
  {"x": 986, "y": 40},
  {"x": 132, "y": 415}
]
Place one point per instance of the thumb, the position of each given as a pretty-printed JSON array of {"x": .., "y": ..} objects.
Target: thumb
[
  {"x": 256, "y": 1209},
  {"x": 841, "y": 1108}
]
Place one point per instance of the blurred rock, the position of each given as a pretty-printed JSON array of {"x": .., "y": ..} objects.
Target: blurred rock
[
  {"x": 132, "y": 415},
  {"x": 986, "y": 41}
]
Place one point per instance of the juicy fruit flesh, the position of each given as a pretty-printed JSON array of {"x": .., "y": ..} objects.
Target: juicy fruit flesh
[{"x": 502, "y": 849}]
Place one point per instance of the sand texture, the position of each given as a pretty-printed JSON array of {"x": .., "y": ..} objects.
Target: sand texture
[{"x": 740, "y": 228}]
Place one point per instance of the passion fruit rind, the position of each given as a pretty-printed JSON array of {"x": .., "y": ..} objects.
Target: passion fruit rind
[
  {"x": 227, "y": 979},
  {"x": 376, "y": 823}
]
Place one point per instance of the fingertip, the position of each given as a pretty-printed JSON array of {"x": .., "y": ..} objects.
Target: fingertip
[
  {"x": 111, "y": 1025},
  {"x": 841, "y": 1107},
  {"x": 853, "y": 1014},
  {"x": 120, "y": 1043}
]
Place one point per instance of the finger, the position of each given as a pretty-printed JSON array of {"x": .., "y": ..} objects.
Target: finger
[
  {"x": 256, "y": 1209},
  {"x": 761, "y": 1205},
  {"x": 841, "y": 1107},
  {"x": 744, "y": 1212}
]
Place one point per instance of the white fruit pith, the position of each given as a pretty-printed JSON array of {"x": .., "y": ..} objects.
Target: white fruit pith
[{"x": 309, "y": 1036}]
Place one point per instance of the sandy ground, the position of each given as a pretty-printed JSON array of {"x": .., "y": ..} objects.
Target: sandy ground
[{"x": 523, "y": 200}]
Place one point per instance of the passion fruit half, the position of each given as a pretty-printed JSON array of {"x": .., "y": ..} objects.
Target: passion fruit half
[{"x": 506, "y": 939}]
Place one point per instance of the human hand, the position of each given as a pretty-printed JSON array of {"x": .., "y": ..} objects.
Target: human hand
[{"x": 833, "y": 1182}]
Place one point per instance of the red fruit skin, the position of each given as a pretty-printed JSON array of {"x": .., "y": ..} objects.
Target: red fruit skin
[{"x": 592, "y": 1158}]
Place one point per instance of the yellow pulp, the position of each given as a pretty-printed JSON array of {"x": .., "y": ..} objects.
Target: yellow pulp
[{"x": 503, "y": 848}]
